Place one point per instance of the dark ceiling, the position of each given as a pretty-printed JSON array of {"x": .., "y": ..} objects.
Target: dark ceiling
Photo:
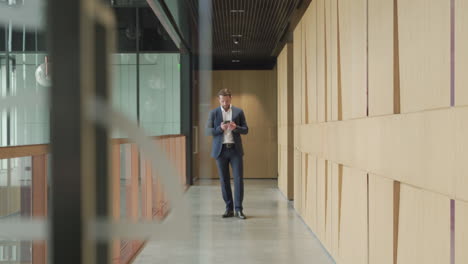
[
  {"x": 261, "y": 24},
  {"x": 259, "y": 27}
]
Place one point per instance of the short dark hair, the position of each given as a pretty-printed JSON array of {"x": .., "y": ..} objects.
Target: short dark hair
[{"x": 224, "y": 92}]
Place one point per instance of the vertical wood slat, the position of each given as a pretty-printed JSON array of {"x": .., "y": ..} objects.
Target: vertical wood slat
[
  {"x": 154, "y": 203},
  {"x": 183, "y": 160},
  {"x": 175, "y": 145},
  {"x": 147, "y": 189},
  {"x": 133, "y": 212},
  {"x": 116, "y": 198},
  {"x": 39, "y": 199},
  {"x": 134, "y": 194}
]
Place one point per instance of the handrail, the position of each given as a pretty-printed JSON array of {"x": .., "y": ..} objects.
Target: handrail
[
  {"x": 23, "y": 151},
  {"x": 42, "y": 149}
]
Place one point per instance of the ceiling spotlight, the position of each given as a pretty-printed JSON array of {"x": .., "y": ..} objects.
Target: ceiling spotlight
[
  {"x": 235, "y": 60},
  {"x": 236, "y": 41}
]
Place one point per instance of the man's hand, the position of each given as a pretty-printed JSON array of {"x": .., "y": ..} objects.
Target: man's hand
[
  {"x": 232, "y": 126},
  {"x": 224, "y": 126}
]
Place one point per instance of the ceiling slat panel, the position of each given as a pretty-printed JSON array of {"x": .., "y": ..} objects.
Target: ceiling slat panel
[{"x": 261, "y": 25}]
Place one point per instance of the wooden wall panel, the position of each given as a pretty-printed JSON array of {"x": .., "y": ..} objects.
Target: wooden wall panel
[
  {"x": 461, "y": 232},
  {"x": 282, "y": 91},
  {"x": 353, "y": 229},
  {"x": 353, "y": 56},
  {"x": 329, "y": 38},
  {"x": 328, "y": 208},
  {"x": 321, "y": 62},
  {"x": 282, "y": 171},
  {"x": 335, "y": 208},
  {"x": 461, "y": 53},
  {"x": 382, "y": 126},
  {"x": 309, "y": 47},
  {"x": 424, "y": 45},
  {"x": 321, "y": 199},
  {"x": 270, "y": 96},
  {"x": 304, "y": 92},
  {"x": 381, "y": 57},
  {"x": 299, "y": 74},
  {"x": 311, "y": 200},
  {"x": 147, "y": 204},
  {"x": 298, "y": 180},
  {"x": 304, "y": 175},
  {"x": 417, "y": 148},
  {"x": 255, "y": 93},
  {"x": 334, "y": 107},
  {"x": 297, "y": 66},
  {"x": 381, "y": 221},
  {"x": 461, "y": 146},
  {"x": 424, "y": 229},
  {"x": 115, "y": 189}
]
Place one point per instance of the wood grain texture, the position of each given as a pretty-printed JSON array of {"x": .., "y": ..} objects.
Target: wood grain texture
[
  {"x": 297, "y": 66},
  {"x": 321, "y": 60},
  {"x": 321, "y": 199},
  {"x": 424, "y": 231},
  {"x": 461, "y": 53},
  {"x": 353, "y": 57},
  {"x": 380, "y": 220},
  {"x": 115, "y": 190},
  {"x": 329, "y": 39},
  {"x": 381, "y": 55},
  {"x": 329, "y": 207},
  {"x": 309, "y": 50},
  {"x": 333, "y": 59},
  {"x": 335, "y": 209},
  {"x": 424, "y": 149},
  {"x": 254, "y": 92},
  {"x": 412, "y": 144},
  {"x": 424, "y": 45},
  {"x": 461, "y": 232},
  {"x": 133, "y": 187},
  {"x": 298, "y": 180},
  {"x": 305, "y": 183},
  {"x": 23, "y": 151},
  {"x": 285, "y": 121},
  {"x": 311, "y": 204},
  {"x": 353, "y": 247}
]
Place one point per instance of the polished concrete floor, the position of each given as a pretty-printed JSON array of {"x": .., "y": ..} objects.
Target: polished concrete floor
[{"x": 273, "y": 232}]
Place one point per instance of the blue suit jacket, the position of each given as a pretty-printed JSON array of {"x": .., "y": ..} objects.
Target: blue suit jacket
[{"x": 213, "y": 128}]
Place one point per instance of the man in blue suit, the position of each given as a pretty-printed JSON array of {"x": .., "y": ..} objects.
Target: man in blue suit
[{"x": 226, "y": 123}]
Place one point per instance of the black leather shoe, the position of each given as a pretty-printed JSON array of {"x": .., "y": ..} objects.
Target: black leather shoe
[
  {"x": 228, "y": 214},
  {"x": 240, "y": 215}
]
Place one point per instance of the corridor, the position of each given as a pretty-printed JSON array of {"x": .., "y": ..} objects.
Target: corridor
[{"x": 273, "y": 232}]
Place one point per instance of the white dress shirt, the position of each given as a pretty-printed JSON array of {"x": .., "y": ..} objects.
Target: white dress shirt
[{"x": 227, "y": 115}]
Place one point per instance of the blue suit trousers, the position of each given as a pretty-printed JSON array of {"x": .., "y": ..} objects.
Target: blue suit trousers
[{"x": 231, "y": 156}]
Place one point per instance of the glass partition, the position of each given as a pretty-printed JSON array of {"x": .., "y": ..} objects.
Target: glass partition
[{"x": 160, "y": 93}]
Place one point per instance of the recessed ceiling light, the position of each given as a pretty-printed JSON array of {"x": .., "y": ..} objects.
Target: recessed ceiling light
[
  {"x": 235, "y": 60},
  {"x": 237, "y": 11},
  {"x": 237, "y": 36},
  {"x": 236, "y": 51}
]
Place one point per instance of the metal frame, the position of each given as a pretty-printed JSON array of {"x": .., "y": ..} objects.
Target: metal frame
[{"x": 80, "y": 41}]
